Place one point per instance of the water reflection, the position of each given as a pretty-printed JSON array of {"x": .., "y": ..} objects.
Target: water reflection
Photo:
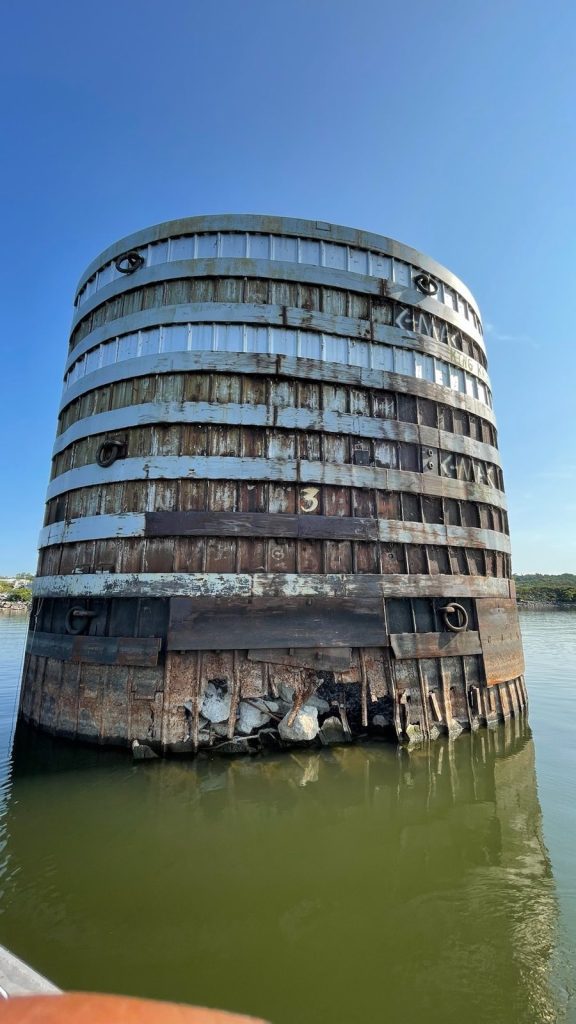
[{"x": 351, "y": 885}]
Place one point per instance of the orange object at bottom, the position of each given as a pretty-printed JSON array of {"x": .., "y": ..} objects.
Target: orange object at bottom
[{"x": 79, "y": 1008}]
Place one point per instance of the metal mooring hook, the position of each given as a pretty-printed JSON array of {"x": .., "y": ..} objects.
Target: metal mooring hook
[
  {"x": 426, "y": 284},
  {"x": 83, "y": 615},
  {"x": 128, "y": 262},
  {"x": 460, "y": 614},
  {"x": 109, "y": 451}
]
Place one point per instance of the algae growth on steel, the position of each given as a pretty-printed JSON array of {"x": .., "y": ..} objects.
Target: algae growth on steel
[{"x": 276, "y": 511}]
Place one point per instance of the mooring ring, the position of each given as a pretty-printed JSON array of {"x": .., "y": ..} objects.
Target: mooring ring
[
  {"x": 108, "y": 452},
  {"x": 460, "y": 614},
  {"x": 128, "y": 262},
  {"x": 83, "y": 615},
  {"x": 426, "y": 284}
]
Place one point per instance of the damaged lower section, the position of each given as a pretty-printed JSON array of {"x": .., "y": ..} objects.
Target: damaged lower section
[{"x": 415, "y": 688}]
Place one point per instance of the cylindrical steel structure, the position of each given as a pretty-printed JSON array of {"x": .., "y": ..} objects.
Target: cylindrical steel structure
[{"x": 276, "y": 497}]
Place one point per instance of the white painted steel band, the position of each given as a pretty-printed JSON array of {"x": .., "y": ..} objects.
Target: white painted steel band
[
  {"x": 265, "y": 269},
  {"x": 269, "y": 585},
  {"x": 221, "y": 467},
  {"x": 273, "y": 366},
  {"x": 174, "y": 236},
  {"x": 133, "y": 524},
  {"x": 285, "y": 341},
  {"x": 235, "y": 414},
  {"x": 275, "y": 316},
  {"x": 281, "y": 249}
]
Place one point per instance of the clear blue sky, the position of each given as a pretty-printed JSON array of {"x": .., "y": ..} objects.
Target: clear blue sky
[{"x": 449, "y": 126}]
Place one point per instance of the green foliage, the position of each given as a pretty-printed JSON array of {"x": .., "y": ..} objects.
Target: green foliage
[
  {"x": 20, "y": 594},
  {"x": 11, "y": 594},
  {"x": 547, "y": 589}
]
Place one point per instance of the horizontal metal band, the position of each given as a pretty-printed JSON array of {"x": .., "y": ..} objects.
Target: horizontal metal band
[
  {"x": 272, "y": 366},
  {"x": 262, "y": 524},
  {"x": 276, "y": 316},
  {"x": 435, "y": 645},
  {"x": 221, "y": 467},
  {"x": 95, "y": 650},
  {"x": 268, "y": 585},
  {"x": 277, "y": 417},
  {"x": 285, "y": 341},
  {"x": 250, "y": 623},
  {"x": 289, "y": 226},
  {"x": 278, "y": 270}
]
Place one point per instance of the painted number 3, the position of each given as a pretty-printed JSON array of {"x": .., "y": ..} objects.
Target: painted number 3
[{"x": 309, "y": 499}]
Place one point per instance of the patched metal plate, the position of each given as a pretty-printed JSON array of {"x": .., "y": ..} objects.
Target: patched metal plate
[
  {"x": 500, "y": 638},
  {"x": 434, "y": 645}
]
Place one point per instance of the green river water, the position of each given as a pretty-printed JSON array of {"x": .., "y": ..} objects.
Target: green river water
[{"x": 358, "y": 884}]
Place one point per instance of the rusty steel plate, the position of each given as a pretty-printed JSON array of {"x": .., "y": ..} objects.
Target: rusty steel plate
[
  {"x": 434, "y": 645},
  {"x": 501, "y": 640}
]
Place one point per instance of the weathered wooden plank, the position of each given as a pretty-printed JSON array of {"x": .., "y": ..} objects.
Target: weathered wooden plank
[
  {"x": 324, "y": 659},
  {"x": 174, "y": 467},
  {"x": 267, "y": 584},
  {"x": 501, "y": 640},
  {"x": 258, "y": 524},
  {"x": 228, "y": 267},
  {"x": 229, "y": 624},
  {"x": 97, "y": 650},
  {"x": 280, "y": 316},
  {"x": 49, "y": 645},
  {"x": 233, "y": 413},
  {"x": 284, "y": 226},
  {"x": 434, "y": 645},
  {"x": 271, "y": 366}
]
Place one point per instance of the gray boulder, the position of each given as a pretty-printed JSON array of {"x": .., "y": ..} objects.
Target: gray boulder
[
  {"x": 250, "y": 718},
  {"x": 455, "y": 728},
  {"x": 303, "y": 729},
  {"x": 319, "y": 702},
  {"x": 142, "y": 752},
  {"x": 414, "y": 734},
  {"x": 332, "y": 731},
  {"x": 216, "y": 703}
]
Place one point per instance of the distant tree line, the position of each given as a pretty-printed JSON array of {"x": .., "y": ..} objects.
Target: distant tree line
[
  {"x": 540, "y": 589},
  {"x": 10, "y": 594}
]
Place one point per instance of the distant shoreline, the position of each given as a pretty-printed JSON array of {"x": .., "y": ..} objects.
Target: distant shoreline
[
  {"x": 15, "y": 607},
  {"x": 543, "y": 606}
]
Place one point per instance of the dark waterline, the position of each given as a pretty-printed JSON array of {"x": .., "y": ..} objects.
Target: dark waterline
[{"x": 353, "y": 885}]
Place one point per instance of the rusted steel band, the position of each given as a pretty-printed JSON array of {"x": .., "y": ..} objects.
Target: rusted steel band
[
  {"x": 274, "y": 315},
  {"x": 272, "y": 366},
  {"x": 97, "y": 650},
  {"x": 263, "y": 524},
  {"x": 216, "y": 467},
  {"x": 267, "y": 585},
  {"x": 293, "y": 623},
  {"x": 277, "y": 270},
  {"x": 288, "y": 226},
  {"x": 435, "y": 645},
  {"x": 278, "y": 417}
]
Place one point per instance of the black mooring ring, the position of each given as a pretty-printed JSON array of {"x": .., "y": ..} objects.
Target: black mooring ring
[
  {"x": 83, "y": 615},
  {"x": 426, "y": 284},
  {"x": 108, "y": 452},
  {"x": 461, "y": 617},
  {"x": 128, "y": 262}
]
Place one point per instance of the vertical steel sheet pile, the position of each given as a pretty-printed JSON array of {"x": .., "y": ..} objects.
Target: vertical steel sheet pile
[{"x": 276, "y": 498}]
